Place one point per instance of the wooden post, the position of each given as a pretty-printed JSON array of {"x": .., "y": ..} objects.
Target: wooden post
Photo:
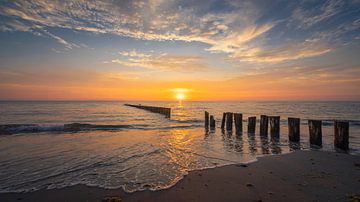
[
  {"x": 341, "y": 131},
  {"x": 238, "y": 123},
  {"x": 212, "y": 122},
  {"x": 229, "y": 121},
  {"x": 206, "y": 119},
  {"x": 294, "y": 129},
  {"x": 251, "y": 124},
  {"x": 223, "y": 121},
  {"x": 315, "y": 132},
  {"x": 264, "y": 122},
  {"x": 274, "y": 126}
]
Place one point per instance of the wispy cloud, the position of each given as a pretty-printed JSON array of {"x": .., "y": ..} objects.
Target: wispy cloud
[
  {"x": 236, "y": 40},
  {"x": 38, "y": 30},
  {"x": 135, "y": 54},
  {"x": 290, "y": 51},
  {"x": 162, "y": 62},
  {"x": 307, "y": 17},
  {"x": 68, "y": 45}
]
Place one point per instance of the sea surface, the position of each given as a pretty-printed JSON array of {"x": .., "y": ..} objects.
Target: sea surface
[{"x": 116, "y": 146}]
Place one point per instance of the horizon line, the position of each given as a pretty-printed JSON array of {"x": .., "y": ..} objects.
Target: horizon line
[{"x": 125, "y": 100}]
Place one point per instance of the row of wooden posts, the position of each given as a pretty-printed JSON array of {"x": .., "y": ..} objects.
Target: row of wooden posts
[
  {"x": 161, "y": 110},
  {"x": 341, "y": 128}
]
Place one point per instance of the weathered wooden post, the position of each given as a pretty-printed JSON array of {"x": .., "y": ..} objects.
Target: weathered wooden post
[
  {"x": 294, "y": 129},
  {"x": 206, "y": 119},
  {"x": 315, "y": 132},
  {"x": 341, "y": 131},
  {"x": 223, "y": 121},
  {"x": 166, "y": 112},
  {"x": 229, "y": 121},
  {"x": 238, "y": 123},
  {"x": 274, "y": 126},
  {"x": 264, "y": 122},
  {"x": 212, "y": 122},
  {"x": 251, "y": 124}
]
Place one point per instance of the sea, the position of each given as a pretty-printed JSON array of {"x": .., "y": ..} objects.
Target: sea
[{"x": 56, "y": 144}]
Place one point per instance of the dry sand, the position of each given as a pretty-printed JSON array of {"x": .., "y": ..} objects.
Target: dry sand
[{"x": 299, "y": 176}]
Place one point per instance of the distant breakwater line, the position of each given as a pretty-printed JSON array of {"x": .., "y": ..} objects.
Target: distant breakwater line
[{"x": 160, "y": 110}]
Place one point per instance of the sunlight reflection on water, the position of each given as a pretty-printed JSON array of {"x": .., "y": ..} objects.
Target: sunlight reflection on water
[{"x": 153, "y": 155}]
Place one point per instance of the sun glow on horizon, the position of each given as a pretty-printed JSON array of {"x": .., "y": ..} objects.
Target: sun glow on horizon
[
  {"x": 180, "y": 93},
  {"x": 180, "y": 96}
]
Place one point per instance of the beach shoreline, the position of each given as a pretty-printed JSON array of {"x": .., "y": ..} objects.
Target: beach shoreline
[{"x": 297, "y": 176}]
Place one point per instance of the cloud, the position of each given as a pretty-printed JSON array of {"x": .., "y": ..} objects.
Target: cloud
[
  {"x": 38, "y": 30},
  {"x": 290, "y": 51},
  {"x": 318, "y": 13},
  {"x": 68, "y": 45},
  {"x": 115, "y": 76},
  {"x": 238, "y": 29},
  {"x": 17, "y": 25},
  {"x": 154, "y": 20},
  {"x": 235, "y": 40},
  {"x": 133, "y": 53},
  {"x": 162, "y": 62}
]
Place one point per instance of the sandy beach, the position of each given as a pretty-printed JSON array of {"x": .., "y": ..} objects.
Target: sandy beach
[{"x": 298, "y": 176}]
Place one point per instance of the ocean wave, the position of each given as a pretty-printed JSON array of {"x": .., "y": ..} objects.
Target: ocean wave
[
  {"x": 28, "y": 128},
  {"x": 10, "y": 129}
]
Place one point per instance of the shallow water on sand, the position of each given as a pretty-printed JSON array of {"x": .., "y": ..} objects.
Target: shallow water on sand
[{"x": 135, "y": 149}]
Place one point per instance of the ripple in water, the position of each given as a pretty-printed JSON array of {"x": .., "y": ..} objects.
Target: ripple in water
[{"x": 154, "y": 153}]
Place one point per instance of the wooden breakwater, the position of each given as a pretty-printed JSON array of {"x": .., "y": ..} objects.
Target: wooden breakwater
[
  {"x": 341, "y": 128},
  {"x": 160, "y": 110}
]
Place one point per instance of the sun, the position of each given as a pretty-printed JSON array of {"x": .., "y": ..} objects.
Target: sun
[{"x": 180, "y": 96}]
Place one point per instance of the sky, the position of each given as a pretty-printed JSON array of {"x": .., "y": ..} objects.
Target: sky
[{"x": 204, "y": 50}]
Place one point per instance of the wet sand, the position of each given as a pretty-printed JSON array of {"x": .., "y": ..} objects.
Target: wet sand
[{"x": 299, "y": 176}]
